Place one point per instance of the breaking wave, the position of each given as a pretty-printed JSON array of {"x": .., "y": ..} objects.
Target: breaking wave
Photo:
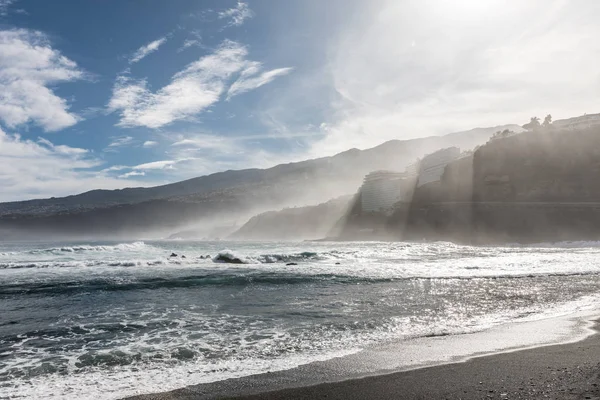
[
  {"x": 235, "y": 278},
  {"x": 76, "y": 264},
  {"x": 88, "y": 248}
]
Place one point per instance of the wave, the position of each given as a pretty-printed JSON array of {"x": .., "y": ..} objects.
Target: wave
[
  {"x": 75, "y": 264},
  {"x": 303, "y": 256},
  {"x": 77, "y": 286},
  {"x": 583, "y": 244},
  {"x": 229, "y": 257},
  {"x": 85, "y": 248},
  {"x": 231, "y": 278}
]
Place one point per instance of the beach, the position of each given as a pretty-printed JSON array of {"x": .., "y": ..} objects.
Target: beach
[
  {"x": 561, "y": 371},
  {"x": 112, "y": 320},
  {"x": 568, "y": 371}
]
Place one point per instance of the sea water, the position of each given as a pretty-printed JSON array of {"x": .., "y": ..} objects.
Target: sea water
[{"x": 83, "y": 320}]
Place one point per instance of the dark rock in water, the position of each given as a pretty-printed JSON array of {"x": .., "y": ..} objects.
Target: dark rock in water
[
  {"x": 208, "y": 256},
  {"x": 201, "y": 257},
  {"x": 228, "y": 258},
  {"x": 182, "y": 256},
  {"x": 291, "y": 264},
  {"x": 173, "y": 255},
  {"x": 183, "y": 353},
  {"x": 337, "y": 263}
]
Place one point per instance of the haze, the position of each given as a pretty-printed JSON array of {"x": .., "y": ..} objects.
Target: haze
[{"x": 198, "y": 87}]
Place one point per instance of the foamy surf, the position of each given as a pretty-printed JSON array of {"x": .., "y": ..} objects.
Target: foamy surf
[{"x": 107, "y": 319}]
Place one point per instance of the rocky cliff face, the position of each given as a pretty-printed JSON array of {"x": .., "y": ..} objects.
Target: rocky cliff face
[
  {"x": 545, "y": 166},
  {"x": 532, "y": 187}
]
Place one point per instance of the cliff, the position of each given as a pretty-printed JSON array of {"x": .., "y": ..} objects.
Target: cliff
[
  {"x": 532, "y": 187},
  {"x": 311, "y": 222},
  {"x": 221, "y": 198}
]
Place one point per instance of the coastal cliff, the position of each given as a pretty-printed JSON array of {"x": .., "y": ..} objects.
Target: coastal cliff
[
  {"x": 532, "y": 187},
  {"x": 217, "y": 199}
]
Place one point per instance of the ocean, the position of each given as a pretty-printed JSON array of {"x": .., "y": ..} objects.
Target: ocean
[{"x": 107, "y": 320}]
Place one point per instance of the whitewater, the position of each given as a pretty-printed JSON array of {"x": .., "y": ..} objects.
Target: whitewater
[{"x": 83, "y": 320}]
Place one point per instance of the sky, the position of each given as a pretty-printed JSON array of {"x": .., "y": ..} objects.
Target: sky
[{"x": 124, "y": 93}]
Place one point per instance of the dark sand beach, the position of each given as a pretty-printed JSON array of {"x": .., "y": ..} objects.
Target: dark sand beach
[{"x": 563, "y": 371}]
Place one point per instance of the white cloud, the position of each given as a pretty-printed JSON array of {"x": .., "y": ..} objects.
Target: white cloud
[
  {"x": 121, "y": 141},
  {"x": 115, "y": 168},
  {"x": 165, "y": 164},
  {"x": 132, "y": 173},
  {"x": 189, "y": 43},
  {"x": 28, "y": 66},
  {"x": 149, "y": 143},
  {"x": 249, "y": 82},
  {"x": 62, "y": 149},
  {"x": 146, "y": 50},
  {"x": 42, "y": 169},
  {"x": 237, "y": 15},
  {"x": 199, "y": 142},
  {"x": 190, "y": 92}
]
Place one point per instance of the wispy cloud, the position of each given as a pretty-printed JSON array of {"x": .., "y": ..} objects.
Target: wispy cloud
[
  {"x": 189, "y": 43},
  {"x": 191, "y": 91},
  {"x": 237, "y": 15},
  {"x": 195, "y": 41},
  {"x": 62, "y": 149},
  {"x": 4, "y": 5},
  {"x": 250, "y": 81},
  {"x": 116, "y": 168},
  {"x": 118, "y": 143},
  {"x": 121, "y": 141},
  {"x": 132, "y": 173},
  {"x": 149, "y": 143},
  {"x": 194, "y": 154},
  {"x": 165, "y": 164},
  {"x": 29, "y": 66},
  {"x": 147, "y": 49},
  {"x": 38, "y": 169}
]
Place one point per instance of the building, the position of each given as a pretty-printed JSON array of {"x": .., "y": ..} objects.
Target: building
[
  {"x": 582, "y": 122},
  {"x": 413, "y": 169},
  {"x": 433, "y": 165},
  {"x": 381, "y": 190}
]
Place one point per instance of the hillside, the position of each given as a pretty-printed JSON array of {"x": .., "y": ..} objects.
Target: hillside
[
  {"x": 297, "y": 223},
  {"x": 225, "y": 197},
  {"x": 538, "y": 186}
]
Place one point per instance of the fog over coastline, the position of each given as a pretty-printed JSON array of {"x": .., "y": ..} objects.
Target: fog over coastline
[{"x": 363, "y": 73}]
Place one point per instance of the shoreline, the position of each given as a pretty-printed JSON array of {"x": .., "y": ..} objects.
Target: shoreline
[
  {"x": 561, "y": 371},
  {"x": 543, "y": 367}
]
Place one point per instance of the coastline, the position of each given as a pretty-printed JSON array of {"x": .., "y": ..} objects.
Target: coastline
[{"x": 566, "y": 365}]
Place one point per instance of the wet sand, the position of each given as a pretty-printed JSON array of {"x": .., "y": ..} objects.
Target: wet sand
[{"x": 564, "y": 371}]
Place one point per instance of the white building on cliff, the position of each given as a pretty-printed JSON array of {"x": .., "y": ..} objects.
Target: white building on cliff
[{"x": 381, "y": 190}]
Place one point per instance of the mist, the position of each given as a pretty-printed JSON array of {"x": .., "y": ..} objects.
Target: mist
[{"x": 216, "y": 206}]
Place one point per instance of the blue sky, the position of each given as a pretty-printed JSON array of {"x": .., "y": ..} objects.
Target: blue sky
[{"x": 112, "y": 94}]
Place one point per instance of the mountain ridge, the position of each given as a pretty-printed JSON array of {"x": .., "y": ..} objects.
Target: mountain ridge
[
  {"x": 224, "y": 197},
  {"x": 206, "y": 183}
]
